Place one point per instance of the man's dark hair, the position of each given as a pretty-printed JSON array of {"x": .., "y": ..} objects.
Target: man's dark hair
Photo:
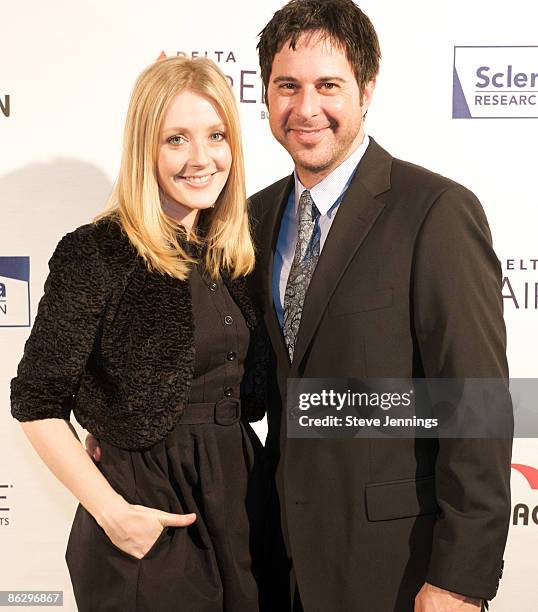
[{"x": 340, "y": 21}]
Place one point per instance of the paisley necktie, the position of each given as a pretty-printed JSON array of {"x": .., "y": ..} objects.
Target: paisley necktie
[{"x": 302, "y": 268}]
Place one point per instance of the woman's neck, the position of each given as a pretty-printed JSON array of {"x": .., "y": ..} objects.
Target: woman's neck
[{"x": 188, "y": 217}]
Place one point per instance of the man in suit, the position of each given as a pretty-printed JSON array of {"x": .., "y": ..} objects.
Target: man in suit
[{"x": 371, "y": 267}]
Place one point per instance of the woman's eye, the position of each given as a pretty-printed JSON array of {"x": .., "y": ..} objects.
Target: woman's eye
[
  {"x": 217, "y": 137},
  {"x": 175, "y": 140}
]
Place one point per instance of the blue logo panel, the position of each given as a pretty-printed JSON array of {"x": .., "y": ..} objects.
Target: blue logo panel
[
  {"x": 15, "y": 292},
  {"x": 495, "y": 82}
]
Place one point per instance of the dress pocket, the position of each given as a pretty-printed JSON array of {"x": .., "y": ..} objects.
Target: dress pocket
[
  {"x": 103, "y": 576},
  {"x": 163, "y": 536}
]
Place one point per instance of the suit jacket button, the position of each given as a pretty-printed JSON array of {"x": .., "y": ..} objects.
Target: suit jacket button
[
  {"x": 231, "y": 356},
  {"x": 213, "y": 286},
  {"x": 228, "y": 320},
  {"x": 228, "y": 392}
]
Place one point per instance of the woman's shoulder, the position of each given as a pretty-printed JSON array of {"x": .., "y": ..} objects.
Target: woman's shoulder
[
  {"x": 104, "y": 238},
  {"x": 98, "y": 249},
  {"x": 99, "y": 232}
]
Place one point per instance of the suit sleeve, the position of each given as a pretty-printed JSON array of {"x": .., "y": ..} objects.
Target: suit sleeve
[
  {"x": 458, "y": 317},
  {"x": 63, "y": 333}
]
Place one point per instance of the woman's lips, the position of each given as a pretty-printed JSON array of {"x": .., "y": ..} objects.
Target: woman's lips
[{"x": 195, "y": 181}]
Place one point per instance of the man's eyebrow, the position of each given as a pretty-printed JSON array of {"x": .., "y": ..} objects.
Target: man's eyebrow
[
  {"x": 323, "y": 79},
  {"x": 282, "y": 79},
  {"x": 336, "y": 79}
]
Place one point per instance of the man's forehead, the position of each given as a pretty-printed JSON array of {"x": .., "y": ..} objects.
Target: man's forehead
[
  {"x": 314, "y": 56},
  {"x": 316, "y": 42}
]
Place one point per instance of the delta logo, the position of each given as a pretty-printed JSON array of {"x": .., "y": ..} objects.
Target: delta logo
[
  {"x": 244, "y": 79},
  {"x": 519, "y": 284},
  {"x": 14, "y": 292},
  {"x": 523, "y": 514},
  {"x": 495, "y": 82}
]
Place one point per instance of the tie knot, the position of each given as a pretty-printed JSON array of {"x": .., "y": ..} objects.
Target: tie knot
[{"x": 307, "y": 209}]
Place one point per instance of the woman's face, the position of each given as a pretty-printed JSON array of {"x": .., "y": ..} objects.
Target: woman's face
[{"x": 194, "y": 157}]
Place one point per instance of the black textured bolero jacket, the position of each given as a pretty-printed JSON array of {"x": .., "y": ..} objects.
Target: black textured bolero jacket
[{"x": 115, "y": 343}]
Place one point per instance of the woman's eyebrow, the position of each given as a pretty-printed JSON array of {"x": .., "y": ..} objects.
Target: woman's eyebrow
[{"x": 217, "y": 126}]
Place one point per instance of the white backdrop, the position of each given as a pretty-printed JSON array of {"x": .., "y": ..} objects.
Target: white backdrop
[{"x": 66, "y": 71}]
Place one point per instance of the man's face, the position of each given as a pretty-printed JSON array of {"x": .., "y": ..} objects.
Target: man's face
[{"x": 315, "y": 106}]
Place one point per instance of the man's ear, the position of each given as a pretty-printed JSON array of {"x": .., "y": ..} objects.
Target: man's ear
[{"x": 367, "y": 95}]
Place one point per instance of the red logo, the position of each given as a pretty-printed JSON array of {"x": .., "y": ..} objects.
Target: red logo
[{"x": 530, "y": 473}]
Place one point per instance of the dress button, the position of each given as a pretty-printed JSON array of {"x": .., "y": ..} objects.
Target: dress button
[
  {"x": 228, "y": 320},
  {"x": 231, "y": 356},
  {"x": 213, "y": 287},
  {"x": 228, "y": 392}
]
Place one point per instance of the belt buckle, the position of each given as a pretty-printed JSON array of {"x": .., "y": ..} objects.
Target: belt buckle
[{"x": 227, "y": 403}]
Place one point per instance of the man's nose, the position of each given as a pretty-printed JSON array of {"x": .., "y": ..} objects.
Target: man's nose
[{"x": 307, "y": 103}]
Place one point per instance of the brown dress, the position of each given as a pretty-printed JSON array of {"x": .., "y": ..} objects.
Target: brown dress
[{"x": 209, "y": 464}]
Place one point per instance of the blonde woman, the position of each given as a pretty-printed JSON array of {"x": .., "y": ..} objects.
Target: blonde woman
[{"x": 146, "y": 331}]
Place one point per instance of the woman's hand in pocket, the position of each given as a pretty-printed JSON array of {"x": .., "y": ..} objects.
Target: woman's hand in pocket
[{"x": 134, "y": 529}]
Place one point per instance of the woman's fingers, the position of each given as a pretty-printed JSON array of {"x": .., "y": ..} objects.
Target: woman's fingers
[
  {"x": 138, "y": 530},
  {"x": 167, "y": 519},
  {"x": 92, "y": 447}
]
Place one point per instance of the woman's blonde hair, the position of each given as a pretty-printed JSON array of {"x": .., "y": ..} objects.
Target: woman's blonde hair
[{"x": 135, "y": 200}]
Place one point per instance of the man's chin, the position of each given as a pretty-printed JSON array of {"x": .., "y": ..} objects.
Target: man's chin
[{"x": 312, "y": 165}]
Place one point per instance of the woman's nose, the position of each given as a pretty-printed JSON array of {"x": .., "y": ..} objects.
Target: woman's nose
[{"x": 199, "y": 155}]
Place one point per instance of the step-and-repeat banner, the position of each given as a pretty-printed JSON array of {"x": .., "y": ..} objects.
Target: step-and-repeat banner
[{"x": 457, "y": 93}]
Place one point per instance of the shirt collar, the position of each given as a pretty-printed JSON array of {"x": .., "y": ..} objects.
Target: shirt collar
[{"x": 329, "y": 190}]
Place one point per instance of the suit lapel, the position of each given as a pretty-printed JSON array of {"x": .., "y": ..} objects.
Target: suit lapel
[
  {"x": 355, "y": 217},
  {"x": 269, "y": 230}
]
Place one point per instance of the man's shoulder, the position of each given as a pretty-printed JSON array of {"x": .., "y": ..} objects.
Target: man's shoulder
[
  {"x": 401, "y": 177},
  {"x": 422, "y": 191},
  {"x": 412, "y": 177}
]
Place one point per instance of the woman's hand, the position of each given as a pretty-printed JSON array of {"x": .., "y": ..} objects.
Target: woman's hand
[
  {"x": 135, "y": 529},
  {"x": 132, "y": 528},
  {"x": 93, "y": 448}
]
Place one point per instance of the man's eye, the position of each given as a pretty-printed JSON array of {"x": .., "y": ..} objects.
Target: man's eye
[
  {"x": 329, "y": 85},
  {"x": 287, "y": 86},
  {"x": 217, "y": 137},
  {"x": 175, "y": 140}
]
